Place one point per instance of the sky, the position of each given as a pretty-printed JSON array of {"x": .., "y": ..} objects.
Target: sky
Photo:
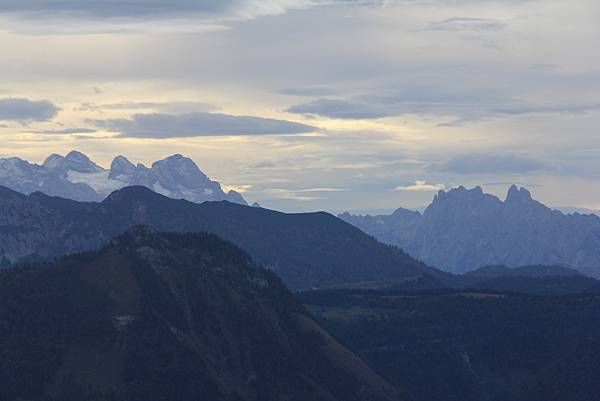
[{"x": 359, "y": 105}]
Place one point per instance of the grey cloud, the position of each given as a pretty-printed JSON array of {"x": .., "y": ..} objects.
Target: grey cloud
[
  {"x": 66, "y": 131},
  {"x": 25, "y": 110},
  {"x": 460, "y": 24},
  {"x": 119, "y": 15},
  {"x": 157, "y": 125},
  {"x": 571, "y": 108},
  {"x": 114, "y": 8},
  {"x": 503, "y": 163},
  {"x": 342, "y": 109},
  {"x": 163, "y": 8},
  {"x": 465, "y": 106}
]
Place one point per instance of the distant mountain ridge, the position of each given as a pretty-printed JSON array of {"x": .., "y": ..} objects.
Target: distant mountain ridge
[
  {"x": 306, "y": 250},
  {"x": 464, "y": 229},
  {"x": 76, "y": 177},
  {"x": 535, "y": 280}
]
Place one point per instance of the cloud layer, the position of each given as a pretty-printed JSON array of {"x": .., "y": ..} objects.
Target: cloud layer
[
  {"x": 157, "y": 125},
  {"x": 81, "y": 16},
  {"x": 506, "y": 163}
]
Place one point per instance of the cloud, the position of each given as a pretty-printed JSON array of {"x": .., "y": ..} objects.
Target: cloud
[
  {"x": 291, "y": 194},
  {"x": 157, "y": 125},
  {"x": 342, "y": 109},
  {"x": 420, "y": 186},
  {"x": 237, "y": 188},
  {"x": 164, "y": 8},
  {"x": 507, "y": 163},
  {"x": 142, "y": 15},
  {"x": 176, "y": 107},
  {"x": 66, "y": 131},
  {"x": 321, "y": 190},
  {"x": 464, "y": 106},
  {"x": 461, "y": 24},
  {"x": 25, "y": 110},
  {"x": 113, "y": 8},
  {"x": 309, "y": 91}
]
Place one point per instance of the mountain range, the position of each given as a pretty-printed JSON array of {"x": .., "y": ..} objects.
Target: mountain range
[
  {"x": 76, "y": 177},
  {"x": 154, "y": 316},
  {"x": 306, "y": 250},
  {"x": 464, "y": 229}
]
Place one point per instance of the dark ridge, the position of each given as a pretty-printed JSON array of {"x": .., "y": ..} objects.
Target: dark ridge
[{"x": 306, "y": 250}]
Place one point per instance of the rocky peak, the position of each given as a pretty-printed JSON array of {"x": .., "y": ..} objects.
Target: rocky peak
[
  {"x": 178, "y": 169},
  {"x": 402, "y": 212},
  {"x": 177, "y": 160},
  {"x": 236, "y": 197},
  {"x": 516, "y": 194},
  {"x": 121, "y": 166},
  {"x": 178, "y": 166},
  {"x": 14, "y": 167},
  {"x": 461, "y": 198},
  {"x": 74, "y": 160},
  {"x": 53, "y": 161}
]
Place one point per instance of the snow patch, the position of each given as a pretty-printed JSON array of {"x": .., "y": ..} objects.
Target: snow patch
[
  {"x": 98, "y": 181},
  {"x": 161, "y": 190}
]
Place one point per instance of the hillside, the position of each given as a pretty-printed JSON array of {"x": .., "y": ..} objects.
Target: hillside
[
  {"x": 471, "y": 345},
  {"x": 174, "y": 317}
]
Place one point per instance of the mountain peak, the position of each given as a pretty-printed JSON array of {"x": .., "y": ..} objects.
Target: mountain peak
[
  {"x": 134, "y": 192},
  {"x": 76, "y": 155},
  {"x": 53, "y": 161},
  {"x": 120, "y": 159},
  {"x": 405, "y": 212},
  {"x": 518, "y": 194},
  {"x": 74, "y": 160},
  {"x": 459, "y": 193},
  {"x": 121, "y": 167}
]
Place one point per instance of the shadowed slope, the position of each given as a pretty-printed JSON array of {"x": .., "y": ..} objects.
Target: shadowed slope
[{"x": 168, "y": 316}]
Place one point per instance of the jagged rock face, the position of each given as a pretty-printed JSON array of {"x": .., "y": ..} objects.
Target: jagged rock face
[
  {"x": 179, "y": 317},
  {"x": 305, "y": 250},
  {"x": 179, "y": 177},
  {"x": 121, "y": 168},
  {"x": 463, "y": 229},
  {"x": 73, "y": 161},
  {"x": 27, "y": 178},
  {"x": 76, "y": 177}
]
